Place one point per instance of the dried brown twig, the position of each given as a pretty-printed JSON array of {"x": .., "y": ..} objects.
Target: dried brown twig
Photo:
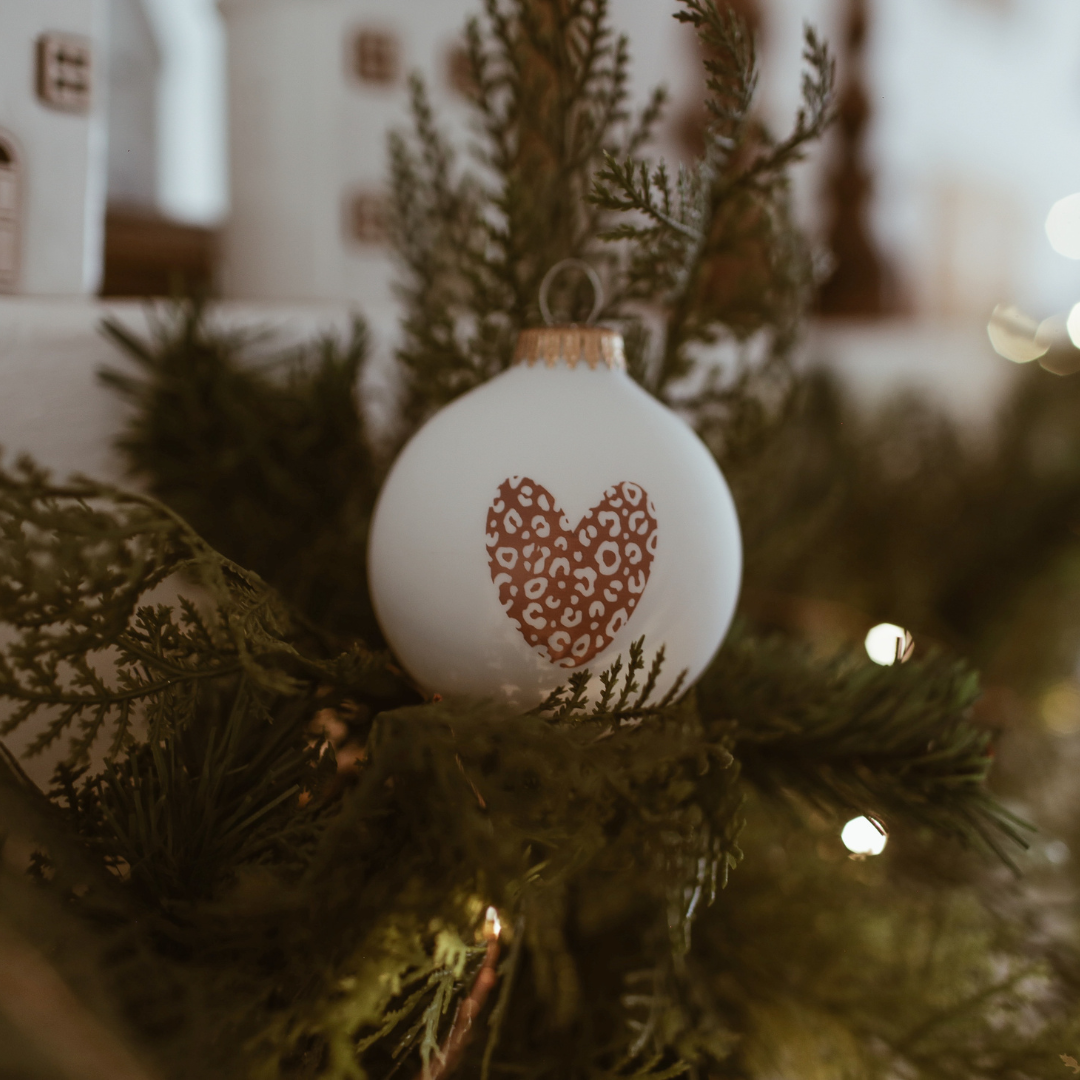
[{"x": 449, "y": 1055}]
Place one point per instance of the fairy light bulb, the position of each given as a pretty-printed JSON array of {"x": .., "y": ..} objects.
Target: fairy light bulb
[
  {"x": 886, "y": 643},
  {"x": 862, "y": 837},
  {"x": 1063, "y": 226},
  {"x": 1015, "y": 335}
]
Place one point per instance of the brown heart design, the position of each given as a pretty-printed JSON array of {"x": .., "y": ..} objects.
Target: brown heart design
[{"x": 568, "y": 588}]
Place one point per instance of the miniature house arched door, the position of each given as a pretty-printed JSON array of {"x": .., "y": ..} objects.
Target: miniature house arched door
[{"x": 9, "y": 214}]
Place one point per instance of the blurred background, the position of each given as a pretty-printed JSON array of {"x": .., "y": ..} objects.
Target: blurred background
[
  {"x": 239, "y": 146},
  {"x": 247, "y": 150}
]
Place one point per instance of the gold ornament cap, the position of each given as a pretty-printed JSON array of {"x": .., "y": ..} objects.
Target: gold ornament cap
[{"x": 571, "y": 344}]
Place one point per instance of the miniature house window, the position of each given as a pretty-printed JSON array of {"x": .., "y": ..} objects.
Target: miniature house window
[
  {"x": 459, "y": 73},
  {"x": 366, "y": 218},
  {"x": 9, "y": 215},
  {"x": 376, "y": 57},
  {"x": 63, "y": 72}
]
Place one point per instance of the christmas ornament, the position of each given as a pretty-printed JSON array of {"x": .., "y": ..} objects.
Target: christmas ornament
[{"x": 544, "y": 521}]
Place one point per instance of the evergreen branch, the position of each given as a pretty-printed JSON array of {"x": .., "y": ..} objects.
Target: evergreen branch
[
  {"x": 392, "y": 1017},
  {"x": 468, "y": 1009},
  {"x": 429, "y": 1022},
  {"x": 551, "y": 87},
  {"x": 630, "y": 187},
  {"x": 74, "y": 561},
  {"x": 183, "y": 814},
  {"x": 654, "y": 673},
  {"x": 608, "y": 680},
  {"x": 729, "y": 207},
  {"x": 263, "y": 449},
  {"x": 673, "y": 693},
  {"x": 888, "y": 742},
  {"x": 636, "y": 664},
  {"x": 572, "y": 701}
]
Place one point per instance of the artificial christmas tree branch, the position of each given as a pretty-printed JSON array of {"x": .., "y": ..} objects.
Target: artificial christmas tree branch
[
  {"x": 728, "y": 209},
  {"x": 77, "y": 561},
  {"x": 861, "y": 738},
  {"x": 227, "y": 411}
]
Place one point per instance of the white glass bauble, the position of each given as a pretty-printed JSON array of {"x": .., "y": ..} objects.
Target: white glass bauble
[{"x": 542, "y": 522}]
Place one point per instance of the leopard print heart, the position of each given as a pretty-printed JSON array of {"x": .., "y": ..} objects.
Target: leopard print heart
[{"x": 569, "y": 588}]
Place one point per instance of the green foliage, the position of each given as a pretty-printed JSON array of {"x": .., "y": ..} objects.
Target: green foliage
[
  {"x": 559, "y": 172},
  {"x": 203, "y": 715},
  {"x": 587, "y": 823},
  {"x": 914, "y": 521},
  {"x": 76, "y": 561},
  {"x": 888, "y": 743},
  {"x": 830, "y": 967},
  {"x": 550, "y": 96},
  {"x": 265, "y": 452},
  {"x": 330, "y": 938},
  {"x": 714, "y": 246}
]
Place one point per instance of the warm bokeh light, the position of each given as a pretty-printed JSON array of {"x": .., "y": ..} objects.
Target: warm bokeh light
[
  {"x": 1014, "y": 335},
  {"x": 887, "y": 643},
  {"x": 492, "y": 923},
  {"x": 1057, "y": 852},
  {"x": 862, "y": 837},
  {"x": 1063, "y": 226},
  {"x": 1073, "y": 325},
  {"x": 1060, "y": 707},
  {"x": 1053, "y": 331}
]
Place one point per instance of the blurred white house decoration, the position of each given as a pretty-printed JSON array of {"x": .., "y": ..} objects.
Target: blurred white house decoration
[
  {"x": 52, "y": 147},
  {"x": 313, "y": 91},
  {"x": 247, "y": 149},
  {"x": 134, "y": 69}
]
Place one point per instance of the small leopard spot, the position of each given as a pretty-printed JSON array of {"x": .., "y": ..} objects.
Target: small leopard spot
[
  {"x": 593, "y": 626},
  {"x": 513, "y": 590},
  {"x": 524, "y": 536},
  {"x": 577, "y": 558},
  {"x": 534, "y": 637},
  {"x": 562, "y": 584},
  {"x": 633, "y": 602}
]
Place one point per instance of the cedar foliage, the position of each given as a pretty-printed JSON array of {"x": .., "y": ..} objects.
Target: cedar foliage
[
  {"x": 224, "y": 894},
  {"x": 264, "y": 451}
]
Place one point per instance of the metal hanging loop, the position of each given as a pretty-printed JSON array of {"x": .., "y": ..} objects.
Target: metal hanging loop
[{"x": 594, "y": 281}]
